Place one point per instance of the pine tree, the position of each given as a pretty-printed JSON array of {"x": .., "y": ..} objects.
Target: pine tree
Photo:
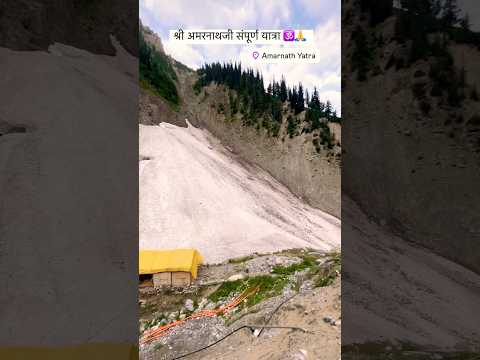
[
  {"x": 315, "y": 101},
  {"x": 334, "y": 117},
  {"x": 300, "y": 104},
  {"x": 276, "y": 89},
  {"x": 260, "y": 106},
  {"x": 322, "y": 108},
  {"x": 328, "y": 110},
  {"x": 436, "y": 8},
  {"x": 283, "y": 90},
  {"x": 294, "y": 99},
  {"x": 291, "y": 126},
  {"x": 233, "y": 104},
  {"x": 465, "y": 23},
  {"x": 276, "y": 110},
  {"x": 450, "y": 13}
]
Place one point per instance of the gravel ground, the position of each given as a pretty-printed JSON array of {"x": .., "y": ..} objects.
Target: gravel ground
[{"x": 315, "y": 309}]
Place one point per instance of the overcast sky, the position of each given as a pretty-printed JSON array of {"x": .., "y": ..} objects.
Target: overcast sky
[
  {"x": 323, "y": 16},
  {"x": 473, "y": 9}
]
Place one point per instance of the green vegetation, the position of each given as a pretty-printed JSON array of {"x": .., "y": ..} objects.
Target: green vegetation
[
  {"x": 325, "y": 276},
  {"x": 326, "y": 138},
  {"x": 260, "y": 107},
  {"x": 322, "y": 275},
  {"x": 147, "y": 308},
  {"x": 291, "y": 126},
  {"x": 156, "y": 73},
  {"x": 155, "y": 321},
  {"x": 227, "y": 288},
  {"x": 220, "y": 109},
  {"x": 233, "y": 102},
  {"x": 268, "y": 286},
  {"x": 426, "y": 27},
  {"x": 307, "y": 262},
  {"x": 271, "y": 285},
  {"x": 420, "y": 18},
  {"x": 445, "y": 76},
  {"x": 318, "y": 110}
]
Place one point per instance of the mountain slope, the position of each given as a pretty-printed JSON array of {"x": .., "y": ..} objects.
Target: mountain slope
[
  {"x": 300, "y": 163},
  {"x": 406, "y": 294},
  {"x": 410, "y": 211},
  {"x": 412, "y": 156},
  {"x": 195, "y": 193},
  {"x": 62, "y": 185}
]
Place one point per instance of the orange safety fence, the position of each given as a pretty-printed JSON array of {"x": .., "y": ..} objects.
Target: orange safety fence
[{"x": 154, "y": 334}]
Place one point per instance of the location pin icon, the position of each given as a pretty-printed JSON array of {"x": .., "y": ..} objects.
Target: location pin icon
[{"x": 255, "y": 54}]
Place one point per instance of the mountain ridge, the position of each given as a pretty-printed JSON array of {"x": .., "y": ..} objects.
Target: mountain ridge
[{"x": 308, "y": 168}]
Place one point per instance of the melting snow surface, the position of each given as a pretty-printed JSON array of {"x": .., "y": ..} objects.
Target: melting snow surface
[{"x": 195, "y": 193}]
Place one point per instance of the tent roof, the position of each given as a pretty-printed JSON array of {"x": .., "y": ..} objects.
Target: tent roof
[{"x": 155, "y": 261}]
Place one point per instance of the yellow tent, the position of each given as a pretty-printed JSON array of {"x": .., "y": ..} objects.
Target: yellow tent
[{"x": 155, "y": 261}]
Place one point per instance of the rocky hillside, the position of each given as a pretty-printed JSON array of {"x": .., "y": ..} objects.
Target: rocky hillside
[
  {"x": 412, "y": 134},
  {"x": 152, "y": 38},
  {"x": 304, "y": 162}
]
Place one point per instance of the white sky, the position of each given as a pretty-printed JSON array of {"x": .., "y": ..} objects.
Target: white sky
[{"x": 323, "y": 16}]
